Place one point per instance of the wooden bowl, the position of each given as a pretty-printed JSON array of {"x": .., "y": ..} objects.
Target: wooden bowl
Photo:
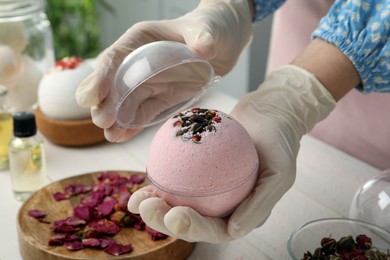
[
  {"x": 69, "y": 133},
  {"x": 34, "y": 236}
]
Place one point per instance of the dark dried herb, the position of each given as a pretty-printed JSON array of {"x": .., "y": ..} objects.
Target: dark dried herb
[
  {"x": 194, "y": 122},
  {"x": 346, "y": 248}
]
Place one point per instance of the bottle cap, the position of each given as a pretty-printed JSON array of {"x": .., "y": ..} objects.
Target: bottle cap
[{"x": 24, "y": 124}]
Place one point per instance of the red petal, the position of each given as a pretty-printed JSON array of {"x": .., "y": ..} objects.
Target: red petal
[
  {"x": 137, "y": 178},
  {"x": 105, "y": 226},
  {"x": 118, "y": 249},
  {"x": 154, "y": 234},
  {"x": 74, "y": 245},
  {"x": 58, "y": 196},
  {"x": 36, "y": 213},
  {"x": 93, "y": 199},
  {"x": 105, "y": 242},
  {"x": 107, "y": 206},
  {"x": 91, "y": 242},
  {"x": 57, "y": 239},
  {"x": 83, "y": 212}
]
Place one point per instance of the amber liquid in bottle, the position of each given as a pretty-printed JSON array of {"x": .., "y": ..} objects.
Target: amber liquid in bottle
[
  {"x": 5, "y": 129},
  {"x": 5, "y": 137}
]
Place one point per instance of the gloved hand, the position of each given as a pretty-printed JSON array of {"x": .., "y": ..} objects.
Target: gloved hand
[
  {"x": 285, "y": 107},
  {"x": 217, "y": 30}
]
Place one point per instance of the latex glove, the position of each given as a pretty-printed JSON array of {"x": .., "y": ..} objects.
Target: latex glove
[
  {"x": 217, "y": 30},
  {"x": 285, "y": 107}
]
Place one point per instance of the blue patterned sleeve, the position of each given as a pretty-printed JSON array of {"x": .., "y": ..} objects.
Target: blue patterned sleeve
[
  {"x": 361, "y": 30},
  {"x": 263, "y": 8}
]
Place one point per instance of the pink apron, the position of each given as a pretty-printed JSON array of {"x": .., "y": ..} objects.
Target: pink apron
[{"x": 360, "y": 124}]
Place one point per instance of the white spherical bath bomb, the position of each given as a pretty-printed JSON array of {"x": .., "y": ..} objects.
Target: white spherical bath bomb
[
  {"x": 203, "y": 159},
  {"x": 57, "y": 90}
]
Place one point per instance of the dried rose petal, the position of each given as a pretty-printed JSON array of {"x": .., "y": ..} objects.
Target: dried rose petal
[
  {"x": 90, "y": 232},
  {"x": 118, "y": 249},
  {"x": 83, "y": 212},
  {"x": 76, "y": 189},
  {"x": 107, "y": 189},
  {"x": 110, "y": 176},
  {"x": 74, "y": 221},
  {"x": 137, "y": 178},
  {"x": 107, "y": 206},
  {"x": 63, "y": 228},
  {"x": 72, "y": 237},
  {"x": 93, "y": 199},
  {"x": 139, "y": 224},
  {"x": 123, "y": 197},
  {"x": 356, "y": 252},
  {"x": 363, "y": 241},
  {"x": 105, "y": 242},
  {"x": 58, "y": 196},
  {"x": 68, "y": 225},
  {"x": 58, "y": 239},
  {"x": 37, "y": 213},
  {"x": 104, "y": 226},
  {"x": 101, "y": 212},
  {"x": 74, "y": 245},
  {"x": 91, "y": 242},
  {"x": 154, "y": 234}
]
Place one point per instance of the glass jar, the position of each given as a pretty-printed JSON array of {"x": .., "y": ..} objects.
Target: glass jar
[{"x": 26, "y": 50}]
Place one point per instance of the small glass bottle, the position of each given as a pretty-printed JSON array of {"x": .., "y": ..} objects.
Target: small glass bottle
[
  {"x": 5, "y": 129},
  {"x": 26, "y": 157}
]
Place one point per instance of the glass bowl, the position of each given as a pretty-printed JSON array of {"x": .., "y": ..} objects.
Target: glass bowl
[
  {"x": 158, "y": 80},
  {"x": 371, "y": 202},
  {"x": 308, "y": 236}
]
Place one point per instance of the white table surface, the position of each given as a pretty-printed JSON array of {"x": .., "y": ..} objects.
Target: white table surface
[{"x": 327, "y": 180}]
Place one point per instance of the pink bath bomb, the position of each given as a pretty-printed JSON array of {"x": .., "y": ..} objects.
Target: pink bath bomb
[{"x": 203, "y": 159}]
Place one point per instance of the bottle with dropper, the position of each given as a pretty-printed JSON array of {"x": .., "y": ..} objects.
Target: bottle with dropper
[{"x": 26, "y": 157}]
